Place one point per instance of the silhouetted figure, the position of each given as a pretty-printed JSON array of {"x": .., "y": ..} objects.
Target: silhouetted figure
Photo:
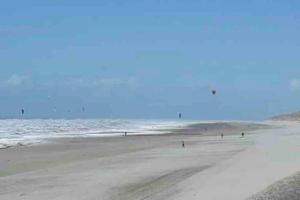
[
  {"x": 179, "y": 115},
  {"x": 125, "y": 134},
  {"x": 182, "y": 143},
  {"x": 243, "y": 134},
  {"x": 214, "y": 92},
  {"x": 23, "y": 111},
  {"x": 222, "y": 135}
]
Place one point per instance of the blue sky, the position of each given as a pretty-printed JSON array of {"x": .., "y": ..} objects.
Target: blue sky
[{"x": 149, "y": 59}]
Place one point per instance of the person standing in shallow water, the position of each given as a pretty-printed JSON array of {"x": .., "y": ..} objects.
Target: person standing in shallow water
[
  {"x": 182, "y": 143},
  {"x": 222, "y": 135},
  {"x": 243, "y": 134}
]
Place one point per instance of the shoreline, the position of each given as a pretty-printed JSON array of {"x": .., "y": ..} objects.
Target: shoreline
[
  {"x": 136, "y": 167},
  {"x": 207, "y": 128},
  {"x": 200, "y": 130},
  {"x": 148, "y": 166}
]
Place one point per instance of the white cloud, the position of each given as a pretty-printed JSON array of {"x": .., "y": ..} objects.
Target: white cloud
[
  {"x": 73, "y": 82},
  {"x": 115, "y": 82},
  {"x": 105, "y": 83},
  {"x": 16, "y": 80},
  {"x": 294, "y": 84},
  {"x": 108, "y": 82}
]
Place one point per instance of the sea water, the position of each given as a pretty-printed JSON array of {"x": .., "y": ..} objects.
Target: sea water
[{"x": 24, "y": 132}]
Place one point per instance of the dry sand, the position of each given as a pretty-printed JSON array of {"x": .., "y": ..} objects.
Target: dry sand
[
  {"x": 288, "y": 188},
  {"x": 153, "y": 167}
]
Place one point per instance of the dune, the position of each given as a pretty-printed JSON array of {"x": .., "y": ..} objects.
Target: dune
[{"x": 287, "y": 117}]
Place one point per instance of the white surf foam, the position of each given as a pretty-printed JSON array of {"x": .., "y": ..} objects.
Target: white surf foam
[{"x": 23, "y": 132}]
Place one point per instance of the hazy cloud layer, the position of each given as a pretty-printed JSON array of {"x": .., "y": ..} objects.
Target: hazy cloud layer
[
  {"x": 16, "y": 80},
  {"x": 19, "y": 81},
  {"x": 294, "y": 84}
]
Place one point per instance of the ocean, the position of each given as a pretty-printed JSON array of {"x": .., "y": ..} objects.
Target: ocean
[{"x": 24, "y": 132}]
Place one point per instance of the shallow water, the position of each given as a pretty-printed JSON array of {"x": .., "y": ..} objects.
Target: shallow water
[{"x": 22, "y": 132}]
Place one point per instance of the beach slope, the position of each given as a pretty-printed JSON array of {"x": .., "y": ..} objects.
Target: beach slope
[{"x": 152, "y": 166}]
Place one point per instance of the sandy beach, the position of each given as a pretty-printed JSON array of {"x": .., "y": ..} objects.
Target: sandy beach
[{"x": 155, "y": 166}]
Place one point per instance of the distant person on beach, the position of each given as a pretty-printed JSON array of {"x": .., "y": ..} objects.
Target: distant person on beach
[
  {"x": 243, "y": 134},
  {"x": 125, "y": 134},
  {"x": 222, "y": 135},
  {"x": 182, "y": 143}
]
